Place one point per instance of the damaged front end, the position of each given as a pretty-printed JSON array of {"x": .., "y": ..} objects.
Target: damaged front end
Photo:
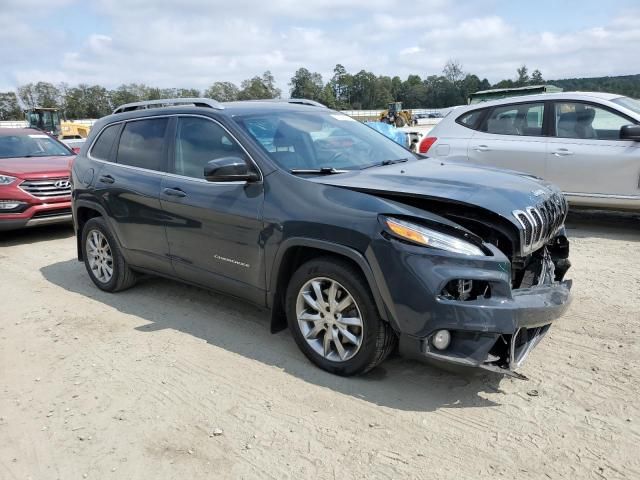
[{"x": 493, "y": 311}]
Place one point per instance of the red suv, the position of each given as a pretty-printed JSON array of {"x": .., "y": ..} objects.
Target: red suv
[{"x": 34, "y": 179}]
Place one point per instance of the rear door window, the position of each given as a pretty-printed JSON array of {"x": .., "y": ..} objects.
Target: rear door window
[
  {"x": 101, "y": 150},
  {"x": 523, "y": 119},
  {"x": 142, "y": 144}
]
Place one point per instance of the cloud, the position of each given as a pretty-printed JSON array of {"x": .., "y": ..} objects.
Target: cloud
[{"x": 196, "y": 42}]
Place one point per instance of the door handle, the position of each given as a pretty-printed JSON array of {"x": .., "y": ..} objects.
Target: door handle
[
  {"x": 107, "y": 179},
  {"x": 562, "y": 152},
  {"x": 174, "y": 192},
  {"x": 481, "y": 148}
]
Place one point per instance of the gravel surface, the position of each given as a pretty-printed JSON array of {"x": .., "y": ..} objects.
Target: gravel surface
[{"x": 169, "y": 381}]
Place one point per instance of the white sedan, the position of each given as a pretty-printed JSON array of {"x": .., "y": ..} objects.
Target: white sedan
[{"x": 586, "y": 143}]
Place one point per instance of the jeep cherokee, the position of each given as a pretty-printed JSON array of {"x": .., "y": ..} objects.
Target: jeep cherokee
[{"x": 353, "y": 241}]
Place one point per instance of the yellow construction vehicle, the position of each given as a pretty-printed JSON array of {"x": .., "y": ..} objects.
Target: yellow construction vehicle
[
  {"x": 71, "y": 130},
  {"x": 45, "y": 119},
  {"x": 48, "y": 120},
  {"x": 394, "y": 115}
]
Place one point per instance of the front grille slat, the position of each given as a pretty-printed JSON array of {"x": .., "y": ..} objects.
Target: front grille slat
[
  {"x": 541, "y": 222},
  {"x": 46, "y": 188}
]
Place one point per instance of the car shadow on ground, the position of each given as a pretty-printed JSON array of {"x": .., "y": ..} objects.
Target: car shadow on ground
[
  {"x": 603, "y": 224},
  {"x": 237, "y": 327},
  {"x": 27, "y": 236}
]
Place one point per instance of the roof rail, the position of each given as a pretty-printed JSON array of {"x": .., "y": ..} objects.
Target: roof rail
[
  {"x": 169, "y": 102},
  {"x": 298, "y": 101}
]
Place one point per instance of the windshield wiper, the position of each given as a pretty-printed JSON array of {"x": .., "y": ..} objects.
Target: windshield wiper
[
  {"x": 387, "y": 162},
  {"x": 317, "y": 171}
]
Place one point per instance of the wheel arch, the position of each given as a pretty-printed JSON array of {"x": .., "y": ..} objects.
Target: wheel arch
[
  {"x": 292, "y": 253},
  {"x": 83, "y": 212}
]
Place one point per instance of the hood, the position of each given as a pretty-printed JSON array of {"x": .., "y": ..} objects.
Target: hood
[
  {"x": 36, "y": 167},
  {"x": 496, "y": 190}
]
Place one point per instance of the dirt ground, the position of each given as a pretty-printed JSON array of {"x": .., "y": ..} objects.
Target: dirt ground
[{"x": 167, "y": 381}]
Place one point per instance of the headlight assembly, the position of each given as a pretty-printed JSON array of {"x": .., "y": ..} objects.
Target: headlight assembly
[
  {"x": 421, "y": 235},
  {"x": 6, "y": 179}
]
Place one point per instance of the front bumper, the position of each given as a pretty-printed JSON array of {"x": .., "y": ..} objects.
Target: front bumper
[
  {"x": 495, "y": 332},
  {"x": 37, "y": 215},
  {"x": 530, "y": 314}
]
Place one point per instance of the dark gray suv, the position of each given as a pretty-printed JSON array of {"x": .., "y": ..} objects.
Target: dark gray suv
[{"x": 354, "y": 242}]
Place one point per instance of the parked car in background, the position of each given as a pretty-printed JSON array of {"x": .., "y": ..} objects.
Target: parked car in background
[
  {"x": 354, "y": 242},
  {"x": 586, "y": 143},
  {"x": 34, "y": 179},
  {"x": 75, "y": 144}
]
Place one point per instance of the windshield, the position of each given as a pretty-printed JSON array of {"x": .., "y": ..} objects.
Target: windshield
[
  {"x": 36, "y": 145},
  {"x": 628, "y": 103},
  {"x": 320, "y": 140}
]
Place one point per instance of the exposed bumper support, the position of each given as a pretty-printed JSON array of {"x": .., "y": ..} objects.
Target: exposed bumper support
[{"x": 529, "y": 313}]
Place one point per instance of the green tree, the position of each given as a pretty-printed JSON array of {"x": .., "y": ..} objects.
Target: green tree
[
  {"x": 383, "y": 92},
  {"x": 41, "y": 94},
  {"x": 536, "y": 78},
  {"x": 327, "y": 97},
  {"x": 396, "y": 87},
  {"x": 259, "y": 88},
  {"x": 187, "y": 93},
  {"x": 306, "y": 84},
  {"x": 452, "y": 71},
  {"x": 413, "y": 93},
  {"x": 153, "y": 93},
  {"x": 125, "y": 94},
  {"x": 341, "y": 84},
  {"x": 443, "y": 93},
  {"x": 523, "y": 76},
  {"x": 508, "y": 83},
  {"x": 86, "y": 101},
  {"x": 9, "y": 107},
  {"x": 363, "y": 91},
  {"x": 469, "y": 85},
  {"x": 222, "y": 92}
]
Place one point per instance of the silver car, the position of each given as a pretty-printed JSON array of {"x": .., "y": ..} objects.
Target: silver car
[{"x": 586, "y": 143}]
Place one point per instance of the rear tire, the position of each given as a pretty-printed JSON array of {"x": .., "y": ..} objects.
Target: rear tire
[
  {"x": 103, "y": 259},
  {"x": 346, "y": 345},
  {"x": 400, "y": 122}
]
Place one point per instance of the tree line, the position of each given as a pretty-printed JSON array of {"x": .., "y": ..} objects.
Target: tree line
[{"x": 345, "y": 91}]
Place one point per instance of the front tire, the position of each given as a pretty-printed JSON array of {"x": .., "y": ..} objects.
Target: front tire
[
  {"x": 103, "y": 259},
  {"x": 334, "y": 319}
]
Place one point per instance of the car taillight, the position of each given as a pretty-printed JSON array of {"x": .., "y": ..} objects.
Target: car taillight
[{"x": 426, "y": 143}]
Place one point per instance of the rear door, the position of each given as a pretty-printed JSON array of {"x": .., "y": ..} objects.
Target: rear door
[
  {"x": 586, "y": 155},
  {"x": 214, "y": 229},
  {"x": 512, "y": 137},
  {"x": 129, "y": 190}
]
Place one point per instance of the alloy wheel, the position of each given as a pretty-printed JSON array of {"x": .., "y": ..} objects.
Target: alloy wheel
[
  {"x": 329, "y": 319},
  {"x": 99, "y": 256}
]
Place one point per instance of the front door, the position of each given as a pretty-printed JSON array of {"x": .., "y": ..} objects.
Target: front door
[
  {"x": 586, "y": 155},
  {"x": 512, "y": 137},
  {"x": 214, "y": 229}
]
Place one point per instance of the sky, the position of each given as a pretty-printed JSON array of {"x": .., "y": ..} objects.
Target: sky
[{"x": 193, "y": 43}]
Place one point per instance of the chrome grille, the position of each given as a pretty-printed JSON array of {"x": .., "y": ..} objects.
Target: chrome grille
[
  {"x": 541, "y": 222},
  {"x": 49, "y": 188}
]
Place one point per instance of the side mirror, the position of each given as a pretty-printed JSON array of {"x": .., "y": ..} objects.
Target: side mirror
[
  {"x": 630, "y": 132},
  {"x": 229, "y": 169}
]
